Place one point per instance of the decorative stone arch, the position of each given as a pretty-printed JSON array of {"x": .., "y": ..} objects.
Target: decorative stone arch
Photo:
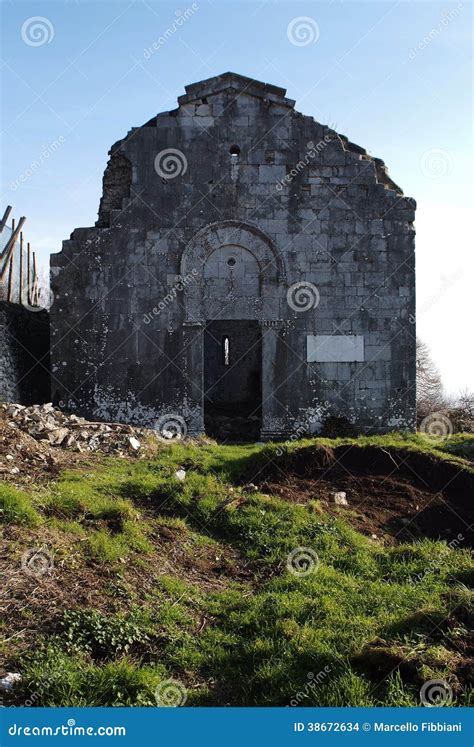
[{"x": 213, "y": 238}]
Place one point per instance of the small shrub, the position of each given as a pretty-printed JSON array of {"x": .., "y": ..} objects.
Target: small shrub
[{"x": 102, "y": 636}]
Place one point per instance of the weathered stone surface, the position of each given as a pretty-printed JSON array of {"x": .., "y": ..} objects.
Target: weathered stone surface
[
  {"x": 236, "y": 207},
  {"x": 24, "y": 354}
]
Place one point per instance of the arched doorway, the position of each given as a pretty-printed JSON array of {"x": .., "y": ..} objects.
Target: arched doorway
[{"x": 237, "y": 276}]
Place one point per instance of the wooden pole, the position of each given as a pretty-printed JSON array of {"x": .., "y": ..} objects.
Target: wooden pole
[
  {"x": 28, "y": 274},
  {"x": 11, "y": 241},
  {"x": 20, "y": 286},
  {"x": 10, "y": 279},
  {"x": 6, "y": 214},
  {"x": 10, "y": 266},
  {"x": 35, "y": 285}
]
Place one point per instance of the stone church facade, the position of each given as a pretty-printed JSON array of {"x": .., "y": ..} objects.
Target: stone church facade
[{"x": 248, "y": 264}]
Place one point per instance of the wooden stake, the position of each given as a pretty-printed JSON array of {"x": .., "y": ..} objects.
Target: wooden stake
[
  {"x": 35, "y": 283},
  {"x": 11, "y": 241},
  {"x": 3, "y": 222},
  {"x": 10, "y": 279},
  {"x": 20, "y": 287},
  {"x": 28, "y": 274}
]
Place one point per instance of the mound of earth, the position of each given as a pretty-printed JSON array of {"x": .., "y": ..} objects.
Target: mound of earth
[{"x": 394, "y": 494}]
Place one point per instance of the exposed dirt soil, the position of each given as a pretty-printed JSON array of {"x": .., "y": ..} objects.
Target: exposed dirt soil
[
  {"x": 393, "y": 494},
  {"x": 43, "y": 599},
  {"x": 452, "y": 644}
]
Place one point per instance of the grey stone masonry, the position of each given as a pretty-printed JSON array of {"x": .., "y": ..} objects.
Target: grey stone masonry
[
  {"x": 235, "y": 206},
  {"x": 24, "y": 354}
]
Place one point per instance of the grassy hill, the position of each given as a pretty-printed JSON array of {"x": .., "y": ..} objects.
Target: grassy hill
[{"x": 243, "y": 583}]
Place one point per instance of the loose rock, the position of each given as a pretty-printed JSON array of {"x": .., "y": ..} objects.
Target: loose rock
[
  {"x": 55, "y": 428},
  {"x": 8, "y": 682},
  {"x": 340, "y": 499}
]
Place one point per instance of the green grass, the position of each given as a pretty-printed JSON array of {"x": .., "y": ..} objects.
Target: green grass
[
  {"x": 54, "y": 677},
  {"x": 371, "y": 623},
  {"x": 16, "y": 507}
]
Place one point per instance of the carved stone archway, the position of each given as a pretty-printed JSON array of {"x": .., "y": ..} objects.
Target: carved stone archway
[
  {"x": 232, "y": 235},
  {"x": 231, "y": 270}
]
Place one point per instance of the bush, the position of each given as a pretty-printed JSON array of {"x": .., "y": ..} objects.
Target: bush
[{"x": 101, "y": 636}]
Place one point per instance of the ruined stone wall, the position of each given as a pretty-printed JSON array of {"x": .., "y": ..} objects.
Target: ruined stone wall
[
  {"x": 324, "y": 240},
  {"x": 24, "y": 355}
]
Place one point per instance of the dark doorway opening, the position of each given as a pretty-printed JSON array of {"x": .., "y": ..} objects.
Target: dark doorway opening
[{"x": 233, "y": 380}]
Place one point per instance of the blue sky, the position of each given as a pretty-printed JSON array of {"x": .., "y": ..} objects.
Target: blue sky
[{"x": 395, "y": 77}]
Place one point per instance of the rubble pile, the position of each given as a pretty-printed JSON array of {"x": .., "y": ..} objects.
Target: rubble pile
[{"x": 53, "y": 428}]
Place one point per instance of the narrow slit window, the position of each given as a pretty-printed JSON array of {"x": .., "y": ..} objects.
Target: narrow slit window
[{"x": 226, "y": 351}]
